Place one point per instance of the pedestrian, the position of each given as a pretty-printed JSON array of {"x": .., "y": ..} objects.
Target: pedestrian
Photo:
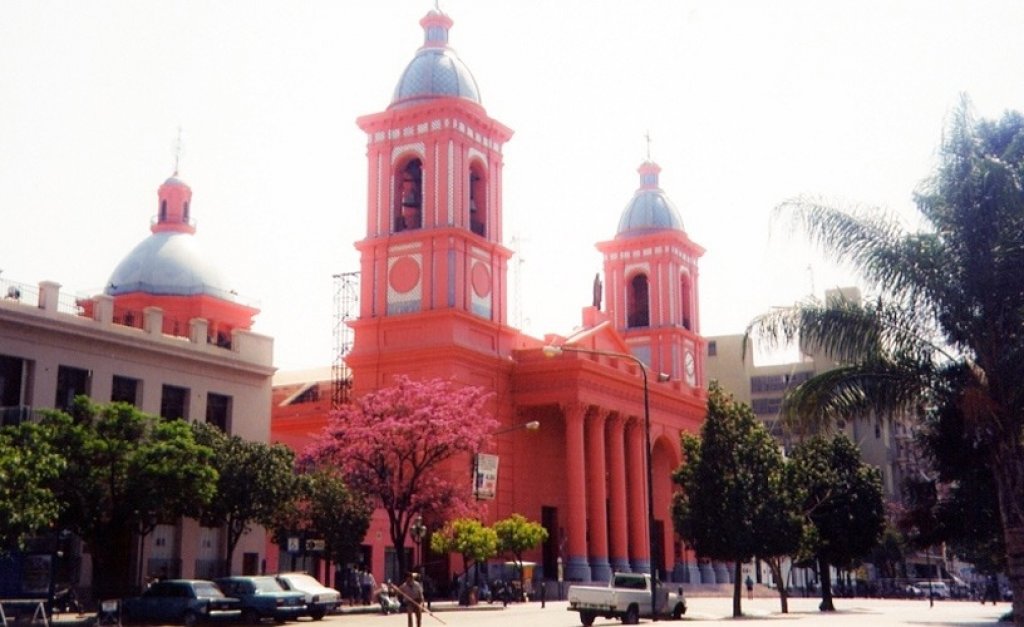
[
  {"x": 991, "y": 590},
  {"x": 367, "y": 584},
  {"x": 412, "y": 595},
  {"x": 750, "y": 588}
]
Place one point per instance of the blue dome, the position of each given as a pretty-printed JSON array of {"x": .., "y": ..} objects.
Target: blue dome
[
  {"x": 436, "y": 71},
  {"x": 650, "y": 209},
  {"x": 168, "y": 264}
]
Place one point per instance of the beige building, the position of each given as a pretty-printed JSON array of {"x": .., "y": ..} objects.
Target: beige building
[{"x": 166, "y": 336}]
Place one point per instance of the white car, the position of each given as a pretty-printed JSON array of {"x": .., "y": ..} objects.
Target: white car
[{"x": 319, "y": 598}]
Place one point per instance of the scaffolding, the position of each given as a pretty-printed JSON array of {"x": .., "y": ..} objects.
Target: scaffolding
[{"x": 346, "y": 308}]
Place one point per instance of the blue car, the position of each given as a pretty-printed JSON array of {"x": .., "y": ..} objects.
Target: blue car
[
  {"x": 264, "y": 597},
  {"x": 181, "y": 602}
]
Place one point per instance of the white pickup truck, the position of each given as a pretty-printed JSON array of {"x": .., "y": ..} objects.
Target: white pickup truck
[{"x": 627, "y": 597}]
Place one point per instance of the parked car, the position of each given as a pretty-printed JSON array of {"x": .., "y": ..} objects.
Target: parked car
[
  {"x": 913, "y": 591},
  {"x": 264, "y": 597},
  {"x": 939, "y": 589},
  {"x": 319, "y": 599},
  {"x": 181, "y": 601}
]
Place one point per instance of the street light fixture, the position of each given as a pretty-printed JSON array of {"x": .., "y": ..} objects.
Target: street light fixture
[
  {"x": 555, "y": 351},
  {"x": 418, "y": 531}
]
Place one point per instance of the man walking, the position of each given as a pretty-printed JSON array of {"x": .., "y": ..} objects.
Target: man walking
[{"x": 412, "y": 595}]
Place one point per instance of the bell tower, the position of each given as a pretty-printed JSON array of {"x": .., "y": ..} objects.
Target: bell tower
[
  {"x": 433, "y": 269},
  {"x": 651, "y": 281}
]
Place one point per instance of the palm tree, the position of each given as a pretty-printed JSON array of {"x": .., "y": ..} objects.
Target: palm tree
[{"x": 945, "y": 332}]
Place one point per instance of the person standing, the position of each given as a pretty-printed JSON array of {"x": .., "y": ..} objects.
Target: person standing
[
  {"x": 412, "y": 595},
  {"x": 750, "y": 588}
]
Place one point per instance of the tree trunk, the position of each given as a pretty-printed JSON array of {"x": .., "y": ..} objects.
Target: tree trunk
[
  {"x": 825, "y": 575},
  {"x": 737, "y": 591},
  {"x": 1008, "y": 469},
  {"x": 775, "y": 565},
  {"x": 112, "y": 564}
]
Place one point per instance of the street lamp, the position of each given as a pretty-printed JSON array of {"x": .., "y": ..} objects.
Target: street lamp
[
  {"x": 418, "y": 531},
  {"x": 554, "y": 351},
  {"x": 532, "y": 425}
]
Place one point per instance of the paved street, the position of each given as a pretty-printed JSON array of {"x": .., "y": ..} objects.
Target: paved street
[{"x": 717, "y": 610}]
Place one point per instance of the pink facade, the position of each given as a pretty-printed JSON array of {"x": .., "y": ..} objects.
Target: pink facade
[{"x": 433, "y": 303}]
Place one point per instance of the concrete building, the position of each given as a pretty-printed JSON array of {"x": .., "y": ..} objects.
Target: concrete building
[{"x": 168, "y": 336}]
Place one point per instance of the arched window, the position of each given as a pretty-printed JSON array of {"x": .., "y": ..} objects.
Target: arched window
[
  {"x": 409, "y": 196},
  {"x": 163, "y": 210},
  {"x": 686, "y": 306},
  {"x": 184, "y": 217},
  {"x": 638, "y": 302},
  {"x": 477, "y": 200}
]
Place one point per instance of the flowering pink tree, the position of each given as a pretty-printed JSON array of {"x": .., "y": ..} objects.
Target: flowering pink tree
[{"x": 392, "y": 444}]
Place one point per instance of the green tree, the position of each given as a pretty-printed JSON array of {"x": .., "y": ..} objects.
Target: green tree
[
  {"x": 887, "y": 556},
  {"x": 732, "y": 506},
  {"x": 126, "y": 471},
  {"x": 964, "y": 513},
  {"x": 842, "y": 501},
  {"x": 254, "y": 482},
  {"x": 468, "y": 537},
  {"x": 947, "y": 327},
  {"x": 28, "y": 467},
  {"x": 325, "y": 508},
  {"x": 516, "y": 535}
]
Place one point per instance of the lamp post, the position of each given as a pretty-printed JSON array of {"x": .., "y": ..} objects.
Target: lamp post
[
  {"x": 418, "y": 531},
  {"x": 554, "y": 351}
]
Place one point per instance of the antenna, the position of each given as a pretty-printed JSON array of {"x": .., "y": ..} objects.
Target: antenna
[
  {"x": 647, "y": 136},
  {"x": 177, "y": 152}
]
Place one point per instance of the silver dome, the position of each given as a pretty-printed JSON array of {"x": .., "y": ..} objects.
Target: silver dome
[
  {"x": 436, "y": 71},
  {"x": 649, "y": 209},
  {"x": 168, "y": 264}
]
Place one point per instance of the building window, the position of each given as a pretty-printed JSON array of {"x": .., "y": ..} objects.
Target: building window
[
  {"x": 218, "y": 411},
  {"x": 687, "y": 303},
  {"x": 712, "y": 348},
  {"x": 14, "y": 404},
  {"x": 409, "y": 196},
  {"x": 766, "y": 406},
  {"x": 163, "y": 210},
  {"x": 777, "y": 382},
  {"x": 174, "y": 402},
  {"x": 638, "y": 302},
  {"x": 477, "y": 201},
  {"x": 71, "y": 382},
  {"x": 125, "y": 390}
]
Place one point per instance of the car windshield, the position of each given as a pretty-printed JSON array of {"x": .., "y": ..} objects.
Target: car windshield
[
  {"x": 207, "y": 589},
  {"x": 267, "y": 584}
]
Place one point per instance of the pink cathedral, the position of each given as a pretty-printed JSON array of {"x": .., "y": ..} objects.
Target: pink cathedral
[{"x": 434, "y": 303}]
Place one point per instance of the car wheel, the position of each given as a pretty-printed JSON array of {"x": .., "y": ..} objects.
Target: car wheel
[
  {"x": 678, "y": 611},
  {"x": 587, "y": 618},
  {"x": 250, "y": 616},
  {"x": 191, "y": 619},
  {"x": 318, "y": 613},
  {"x": 632, "y": 616}
]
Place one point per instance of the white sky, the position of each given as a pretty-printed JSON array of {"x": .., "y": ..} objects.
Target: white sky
[{"x": 747, "y": 103}]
